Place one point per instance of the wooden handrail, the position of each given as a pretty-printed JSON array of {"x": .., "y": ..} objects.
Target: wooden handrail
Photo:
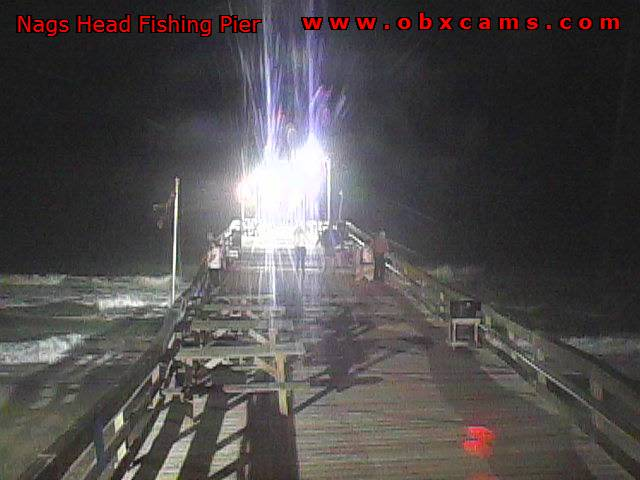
[{"x": 612, "y": 400}]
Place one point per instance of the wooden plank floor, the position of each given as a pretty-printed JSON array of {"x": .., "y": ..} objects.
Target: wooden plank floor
[
  {"x": 390, "y": 400},
  {"x": 406, "y": 400}
]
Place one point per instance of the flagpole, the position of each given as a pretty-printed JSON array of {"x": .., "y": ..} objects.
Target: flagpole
[
  {"x": 328, "y": 160},
  {"x": 175, "y": 242}
]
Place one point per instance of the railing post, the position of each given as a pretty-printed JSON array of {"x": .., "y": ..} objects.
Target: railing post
[
  {"x": 117, "y": 426},
  {"x": 512, "y": 338},
  {"x": 155, "y": 375},
  {"x": 189, "y": 377},
  {"x": 281, "y": 378},
  {"x": 488, "y": 319},
  {"x": 597, "y": 391},
  {"x": 541, "y": 378}
]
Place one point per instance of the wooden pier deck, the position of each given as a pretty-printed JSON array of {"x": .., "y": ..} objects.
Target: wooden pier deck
[{"x": 385, "y": 397}]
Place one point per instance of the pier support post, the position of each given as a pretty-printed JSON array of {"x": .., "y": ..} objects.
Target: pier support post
[
  {"x": 597, "y": 392},
  {"x": 541, "y": 379},
  {"x": 281, "y": 378}
]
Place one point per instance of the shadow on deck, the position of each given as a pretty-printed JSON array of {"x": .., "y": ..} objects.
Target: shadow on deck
[{"x": 392, "y": 401}]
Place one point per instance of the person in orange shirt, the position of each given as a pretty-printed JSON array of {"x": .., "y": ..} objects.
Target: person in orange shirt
[{"x": 380, "y": 248}]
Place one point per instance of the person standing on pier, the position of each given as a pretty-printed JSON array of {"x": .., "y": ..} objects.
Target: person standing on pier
[
  {"x": 380, "y": 248},
  {"x": 300, "y": 248},
  {"x": 214, "y": 265},
  {"x": 328, "y": 244}
]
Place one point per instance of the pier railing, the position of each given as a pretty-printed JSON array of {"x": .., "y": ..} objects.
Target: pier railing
[
  {"x": 605, "y": 404},
  {"x": 601, "y": 401},
  {"x": 98, "y": 443}
]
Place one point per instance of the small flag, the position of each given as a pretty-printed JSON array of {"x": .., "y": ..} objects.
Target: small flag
[{"x": 163, "y": 211}]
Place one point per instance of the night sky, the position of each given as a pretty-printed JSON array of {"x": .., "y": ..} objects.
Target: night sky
[{"x": 479, "y": 147}]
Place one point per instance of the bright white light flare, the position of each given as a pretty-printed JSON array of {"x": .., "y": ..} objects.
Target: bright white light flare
[{"x": 285, "y": 188}]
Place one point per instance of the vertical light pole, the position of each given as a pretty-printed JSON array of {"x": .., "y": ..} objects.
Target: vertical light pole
[
  {"x": 242, "y": 208},
  {"x": 328, "y": 190},
  {"x": 175, "y": 242},
  {"x": 304, "y": 210}
]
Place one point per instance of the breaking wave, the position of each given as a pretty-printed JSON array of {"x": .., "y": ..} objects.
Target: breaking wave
[
  {"x": 50, "y": 350},
  {"x": 32, "y": 280},
  {"x": 620, "y": 352},
  {"x": 449, "y": 273},
  {"x": 59, "y": 294},
  {"x": 606, "y": 345},
  {"x": 135, "y": 281},
  {"x": 128, "y": 301},
  {"x": 152, "y": 281}
]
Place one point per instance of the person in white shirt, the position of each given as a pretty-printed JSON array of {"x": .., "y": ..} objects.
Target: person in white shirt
[{"x": 214, "y": 265}]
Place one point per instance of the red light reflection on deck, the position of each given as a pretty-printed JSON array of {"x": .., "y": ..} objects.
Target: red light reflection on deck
[{"x": 479, "y": 442}]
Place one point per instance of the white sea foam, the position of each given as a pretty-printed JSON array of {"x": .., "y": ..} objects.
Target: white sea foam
[
  {"x": 134, "y": 281},
  {"x": 621, "y": 352},
  {"x": 611, "y": 345},
  {"x": 50, "y": 350},
  {"x": 130, "y": 301},
  {"x": 9, "y": 302},
  {"x": 449, "y": 273},
  {"x": 163, "y": 281},
  {"x": 110, "y": 295},
  {"x": 31, "y": 280}
]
